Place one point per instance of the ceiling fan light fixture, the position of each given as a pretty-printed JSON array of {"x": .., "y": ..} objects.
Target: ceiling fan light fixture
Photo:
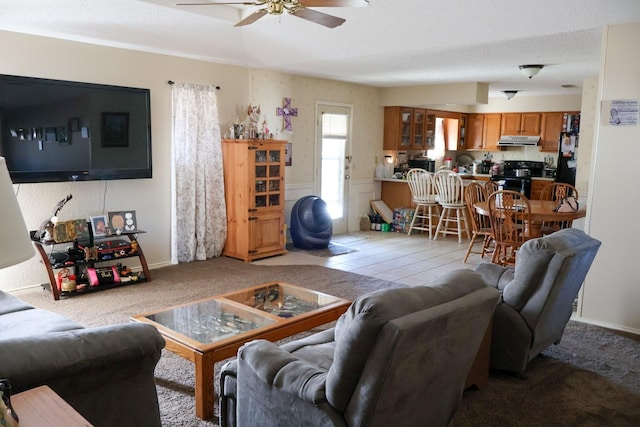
[
  {"x": 509, "y": 93},
  {"x": 531, "y": 70}
]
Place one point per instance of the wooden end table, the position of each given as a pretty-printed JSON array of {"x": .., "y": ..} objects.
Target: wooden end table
[
  {"x": 42, "y": 407},
  {"x": 207, "y": 331}
]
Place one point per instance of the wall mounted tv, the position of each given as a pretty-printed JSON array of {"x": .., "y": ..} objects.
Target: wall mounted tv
[{"x": 54, "y": 130}]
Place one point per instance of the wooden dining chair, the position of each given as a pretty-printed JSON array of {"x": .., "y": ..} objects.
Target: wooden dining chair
[
  {"x": 450, "y": 195},
  {"x": 491, "y": 187},
  {"x": 426, "y": 215},
  {"x": 510, "y": 214},
  {"x": 480, "y": 224},
  {"x": 556, "y": 191}
]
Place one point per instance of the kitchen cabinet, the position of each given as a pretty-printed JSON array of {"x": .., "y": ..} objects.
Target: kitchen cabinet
[
  {"x": 491, "y": 132},
  {"x": 483, "y": 131},
  {"x": 521, "y": 124},
  {"x": 254, "y": 187},
  {"x": 537, "y": 185},
  {"x": 475, "y": 127},
  {"x": 552, "y": 125},
  {"x": 407, "y": 128},
  {"x": 396, "y": 194},
  {"x": 462, "y": 132}
]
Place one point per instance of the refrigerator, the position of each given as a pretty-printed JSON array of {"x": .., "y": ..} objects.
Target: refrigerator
[{"x": 567, "y": 165}]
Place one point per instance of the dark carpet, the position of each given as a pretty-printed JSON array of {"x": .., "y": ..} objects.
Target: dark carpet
[{"x": 592, "y": 378}]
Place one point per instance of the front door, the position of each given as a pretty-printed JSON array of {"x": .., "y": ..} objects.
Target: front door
[{"x": 334, "y": 154}]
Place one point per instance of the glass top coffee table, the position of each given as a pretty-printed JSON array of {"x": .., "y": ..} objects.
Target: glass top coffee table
[{"x": 212, "y": 329}]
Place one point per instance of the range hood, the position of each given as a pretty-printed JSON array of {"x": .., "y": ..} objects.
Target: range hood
[{"x": 518, "y": 141}]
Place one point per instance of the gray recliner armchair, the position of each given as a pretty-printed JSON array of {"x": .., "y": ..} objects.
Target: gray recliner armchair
[
  {"x": 396, "y": 357},
  {"x": 537, "y": 295}
]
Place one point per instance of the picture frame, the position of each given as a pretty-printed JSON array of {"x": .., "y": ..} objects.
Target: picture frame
[
  {"x": 115, "y": 129},
  {"x": 74, "y": 124},
  {"x": 99, "y": 225},
  {"x": 51, "y": 134},
  {"x": 123, "y": 221}
]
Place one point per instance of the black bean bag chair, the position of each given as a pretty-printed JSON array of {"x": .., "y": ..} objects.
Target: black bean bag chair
[{"x": 311, "y": 226}]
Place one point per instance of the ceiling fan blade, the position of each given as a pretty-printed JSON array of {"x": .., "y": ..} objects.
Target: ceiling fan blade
[
  {"x": 246, "y": 3},
  {"x": 334, "y": 3},
  {"x": 329, "y": 21},
  {"x": 252, "y": 18}
]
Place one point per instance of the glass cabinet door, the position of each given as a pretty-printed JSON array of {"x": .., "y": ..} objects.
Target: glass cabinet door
[
  {"x": 406, "y": 115},
  {"x": 268, "y": 177},
  {"x": 418, "y": 129}
]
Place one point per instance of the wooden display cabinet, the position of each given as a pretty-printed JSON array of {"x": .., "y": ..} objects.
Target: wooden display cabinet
[{"x": 254, "y": 188}]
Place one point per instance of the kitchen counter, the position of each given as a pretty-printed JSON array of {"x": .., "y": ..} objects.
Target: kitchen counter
[{"x": 395, "y": 192}]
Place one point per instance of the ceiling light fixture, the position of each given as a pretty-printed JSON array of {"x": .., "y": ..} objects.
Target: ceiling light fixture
[
  {"x": 530, "y": 70},
  {"x": 509, "y": 93}
]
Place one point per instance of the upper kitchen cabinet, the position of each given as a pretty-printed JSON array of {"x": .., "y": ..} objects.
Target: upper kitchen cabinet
[
  {"x": 407, "y": 128},
  {"x": 475, "y": 127},
  {"x": 552, "y": 125},
  {"x": 483, "y": 131},
  {"x": 491, "y": 133},
  {"x": 526, "y": 124}
]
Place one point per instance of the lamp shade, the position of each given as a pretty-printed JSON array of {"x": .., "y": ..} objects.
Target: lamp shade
[
  {"x": 509, "y": 93},
  {"x": 531, "y": 70},
  {"x": 15, "y": 245}
]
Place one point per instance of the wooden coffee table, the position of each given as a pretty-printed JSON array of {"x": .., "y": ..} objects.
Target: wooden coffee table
[{"x": 213, "y": 329}]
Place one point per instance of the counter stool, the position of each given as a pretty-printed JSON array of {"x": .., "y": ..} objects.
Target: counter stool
[
  {"x": 423, "y": 195},
  {"x": 453, "y": 219}
]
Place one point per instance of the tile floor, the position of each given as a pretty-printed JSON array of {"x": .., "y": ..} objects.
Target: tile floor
[{"x": 412, "y": 260}]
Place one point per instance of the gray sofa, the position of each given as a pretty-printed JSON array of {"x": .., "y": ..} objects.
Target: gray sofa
[
  {"x": 105, "y": 373},
  {"x": 396, "y": 357},
  {"x": 537, "y": 295}
]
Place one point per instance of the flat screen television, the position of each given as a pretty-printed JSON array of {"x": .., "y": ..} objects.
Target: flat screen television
[{"x": 55, "y": 130}]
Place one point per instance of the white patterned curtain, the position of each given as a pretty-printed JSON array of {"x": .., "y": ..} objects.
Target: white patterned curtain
[{"x": 199, "y": 227}]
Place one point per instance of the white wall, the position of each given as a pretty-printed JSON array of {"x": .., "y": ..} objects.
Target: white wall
[
  {"x": 150, "y": 198},
  {"x": 611, "y": 293}
]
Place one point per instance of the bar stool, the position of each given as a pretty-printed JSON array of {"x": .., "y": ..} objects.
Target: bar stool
[
  {"x": 423, "y": 195},
  {"x": 453, "y": 219}
]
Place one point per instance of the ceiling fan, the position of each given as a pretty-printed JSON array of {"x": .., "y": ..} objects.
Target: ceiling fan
[{"x": 297, "y": 8}]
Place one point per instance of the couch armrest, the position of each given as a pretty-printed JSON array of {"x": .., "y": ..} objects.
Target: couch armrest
[
  {"x": 281, "y": 370},
  {"x": 43, "y": 359},
  {"x": 494, "y": 275}
]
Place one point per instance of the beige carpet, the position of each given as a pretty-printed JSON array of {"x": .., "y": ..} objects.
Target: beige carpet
[{"x": 591, "y": 379}]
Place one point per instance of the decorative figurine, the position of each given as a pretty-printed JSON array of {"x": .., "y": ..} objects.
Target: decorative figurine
[{"x": 254, "y": 118}]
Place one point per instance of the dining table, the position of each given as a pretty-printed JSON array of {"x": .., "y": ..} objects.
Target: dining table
[{"x": 541, "y": 211}]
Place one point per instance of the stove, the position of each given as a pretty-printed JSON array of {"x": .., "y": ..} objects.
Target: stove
[
  {"x": 525, "y": 168},
  {"x": 536, "y": 169}
]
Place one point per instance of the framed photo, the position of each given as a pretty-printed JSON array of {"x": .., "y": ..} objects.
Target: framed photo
[
  {"x": 99, "y": 225},
  {"x": 74, "y": 124},
  {"x": 115, "y": 129},
  {"x": 51, "y": 134},
  {"x": 123, "y": 222}
]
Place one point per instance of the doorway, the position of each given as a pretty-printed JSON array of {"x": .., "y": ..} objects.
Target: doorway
[{"x": 333, "y": 151}]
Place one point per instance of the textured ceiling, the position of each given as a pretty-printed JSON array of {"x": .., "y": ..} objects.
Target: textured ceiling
[{"x": 387, "y": 43}]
